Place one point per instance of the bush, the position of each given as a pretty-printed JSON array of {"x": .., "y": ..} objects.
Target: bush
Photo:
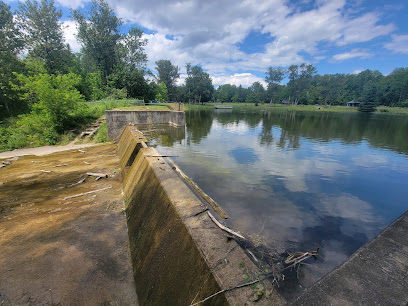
[{"x": 367, "y": 107}]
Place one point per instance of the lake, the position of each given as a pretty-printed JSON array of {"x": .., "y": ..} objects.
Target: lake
[{"x": 297, "y": 181}]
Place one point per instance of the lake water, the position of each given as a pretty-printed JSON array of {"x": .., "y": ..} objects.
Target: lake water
[{"x": 298, "y": 181}]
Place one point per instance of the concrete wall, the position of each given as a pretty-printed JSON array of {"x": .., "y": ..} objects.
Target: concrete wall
[
  {"x": 178, "y": 254},
  {"x": 116, "y": 120}
]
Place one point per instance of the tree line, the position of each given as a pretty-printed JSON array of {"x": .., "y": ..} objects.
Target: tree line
[
  {"x": 43, "y": 84},
  {"x": 305, "y": 86}
]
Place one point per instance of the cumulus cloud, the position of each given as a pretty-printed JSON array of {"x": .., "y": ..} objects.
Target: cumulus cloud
[
  {"x": 244, "y": 79},
  {"x": 399, "y": 44},
  {"x": 210, "y": 32},
  {"x": 351, "y": 54},
  {"x": 70, "y": 31}
]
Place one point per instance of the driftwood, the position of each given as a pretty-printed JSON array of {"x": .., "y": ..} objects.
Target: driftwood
[
  {"x": 80, "y": 182},
  {"x": 217, "y": 208},
  {"x": 45, "y": 171},
  {"x": 86, "y": 163},
  {"x": 81, "y": 151},
  {"x": 224, "y": 228},
  {"x": 62, "y": 165},
  {"x": 98, "y": 175},
  {"x": 85, "y": 193},
  {"x": 236, "y": 287}
]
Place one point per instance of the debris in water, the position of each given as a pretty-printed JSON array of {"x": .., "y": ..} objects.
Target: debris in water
[{"x": 298, "y": 257}]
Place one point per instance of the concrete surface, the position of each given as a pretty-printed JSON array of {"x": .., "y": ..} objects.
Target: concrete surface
[
  {"x": 117, "y": 119},
  {"x": 64, "y": 252},
  {"x": 377, "y": 274},
  {"x": 179, "y": 255}
]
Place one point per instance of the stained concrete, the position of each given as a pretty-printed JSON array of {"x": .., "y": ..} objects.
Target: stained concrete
[
  {"x": 179, "y": 255},
  {"x": 377, "y": 274},
  {"x": 64, "y": 252},
  {"x": 117, "y": 120}
]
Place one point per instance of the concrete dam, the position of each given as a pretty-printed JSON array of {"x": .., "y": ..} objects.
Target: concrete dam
[{"x": 181, "y": 257}]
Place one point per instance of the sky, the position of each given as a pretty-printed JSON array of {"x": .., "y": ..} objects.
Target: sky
[{"x": 235, "y": 41}]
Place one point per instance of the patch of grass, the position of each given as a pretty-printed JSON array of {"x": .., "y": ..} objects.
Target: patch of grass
[{"x": 102, "y": 134}]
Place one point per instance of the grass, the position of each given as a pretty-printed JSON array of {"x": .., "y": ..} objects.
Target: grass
[{"x": 303, "y": 108}]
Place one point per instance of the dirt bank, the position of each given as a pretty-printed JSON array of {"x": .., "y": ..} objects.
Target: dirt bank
[{"x": 63, "y": 252}]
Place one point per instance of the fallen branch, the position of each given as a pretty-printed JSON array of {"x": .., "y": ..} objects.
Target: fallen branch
[
  {"x": 45, "y": 171},
  {"x": 217, "y": 208},
  {"x": 100, "y": 175},
  {"x": 224, "y": 228},
  {"x": 85, "y": 193},
  {"x": 236, "y": 287},
  {"x": 86, "y": 163},
  {"x": 81, "y": 151},
  {"x": 80, "y": 182},
  {"x": 62, "y": 165}
]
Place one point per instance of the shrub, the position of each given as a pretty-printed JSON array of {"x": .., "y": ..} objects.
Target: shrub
[{"x": 367, "y": 107}]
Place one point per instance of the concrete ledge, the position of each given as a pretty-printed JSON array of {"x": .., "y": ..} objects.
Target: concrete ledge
[
  {"x": 178, "y": 254},
  {"x": 117, "y": 119},
  {"x": 377, "y": 274}
]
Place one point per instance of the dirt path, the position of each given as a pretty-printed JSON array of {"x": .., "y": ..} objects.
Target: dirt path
[{"x": 40, "y": 151}]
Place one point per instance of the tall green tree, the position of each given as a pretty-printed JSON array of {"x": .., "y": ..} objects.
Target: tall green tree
[
  {"x": 168, "y": 74},
  {"x": 10, "y": 47},
  {"x": 99, "y": 36},
  {"x": 199, "y": 84},
  {"x": 300, "y": 79},
  {"x": 162, "y": 93},
  {"x": 274, "y": 77},
  {"x": 256, "y": 93},
  {"x": 41, "y": 24},
  {"x": 129, "y": 71}
]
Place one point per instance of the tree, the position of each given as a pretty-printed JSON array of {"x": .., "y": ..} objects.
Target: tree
[
  {"x": 161, "y": 94},
  {"x": 369, "y": 93},
  {"x": 367, "y": 107},
  {"x": 54, "y": 97},
  {"x": 10, "y": 47},
  {"x": 256, "y": 93},
  {"x": 129, "y": 71},
  {"x": 168, "y": 74},
  {"x": 43, "y": 34},
  {"x": 300, "y": 79},
  {"x": 99, "y": 36},
  {"x": 199, "y": 84},
  {"x": 274, "y": 77}
]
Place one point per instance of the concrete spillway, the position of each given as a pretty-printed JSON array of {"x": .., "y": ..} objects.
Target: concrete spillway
[
  {"x": 179, "y": 255},
  {"x": 117, "y": 120}
]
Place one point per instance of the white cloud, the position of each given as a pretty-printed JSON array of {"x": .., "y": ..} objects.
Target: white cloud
[
  {"x": 209, "y": 32},
  {"x": 399, "y": 44},
  {"x": 363, "y": 29},
  {"x": 351, "y": 54},
  {"x": 244, "y": 79},
  {"x": 70, "y": 31},
  {"x": 73, "y": 4}
]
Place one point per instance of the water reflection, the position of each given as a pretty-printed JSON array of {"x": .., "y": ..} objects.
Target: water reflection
[{"x": 300, "y": 180}]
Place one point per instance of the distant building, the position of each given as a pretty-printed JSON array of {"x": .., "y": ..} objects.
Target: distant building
[
  {"x": 285, "y": 102},
  {"x": 353, "y": 103}
]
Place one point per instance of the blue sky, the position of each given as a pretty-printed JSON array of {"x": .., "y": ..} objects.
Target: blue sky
[{"x": 236, "y": 41}]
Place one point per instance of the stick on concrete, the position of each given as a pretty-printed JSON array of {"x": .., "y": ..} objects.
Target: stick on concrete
[
  {"x": 85, "y": 193},
  {"x": 224, "y": 228}
]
